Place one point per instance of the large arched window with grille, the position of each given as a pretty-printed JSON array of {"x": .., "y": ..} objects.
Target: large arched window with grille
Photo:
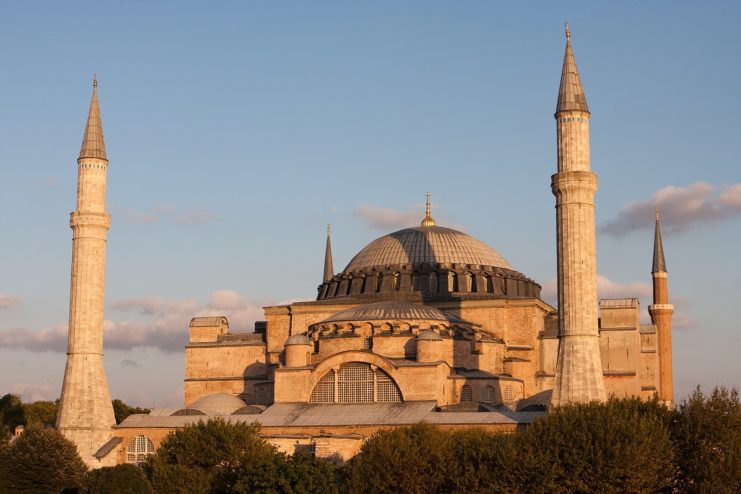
[
  {"x": 139, "y": 448},
  {"x": 356, "y": 382}
]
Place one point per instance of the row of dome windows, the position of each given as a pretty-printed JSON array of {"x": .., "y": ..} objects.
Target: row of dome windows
[
  {"x": 428, "y": 283},
  {"x": 488, "y": 395}
]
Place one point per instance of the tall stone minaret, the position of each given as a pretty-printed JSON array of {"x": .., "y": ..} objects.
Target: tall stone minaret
[
  {"x": 661, "y": 315},
  {"x": 578, "y": 368},
  {"x": 85, "y": 411}
]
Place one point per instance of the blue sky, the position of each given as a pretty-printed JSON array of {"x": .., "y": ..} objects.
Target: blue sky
[{"x": 237, "y": 130}]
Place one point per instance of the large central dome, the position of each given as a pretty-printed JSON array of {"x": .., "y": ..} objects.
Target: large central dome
[{"x": 426, "y": 244}]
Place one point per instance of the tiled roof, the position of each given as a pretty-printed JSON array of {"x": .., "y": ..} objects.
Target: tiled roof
[{"x": 432, "y": 245}]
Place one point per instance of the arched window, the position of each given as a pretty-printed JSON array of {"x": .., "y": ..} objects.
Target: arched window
[
  {"x": 356, "y": 382},
  {"x": 397, "y": 282},
  {"x": 139, "y": 448},
  {"x": 466, "y": 393},
  {"x": 489, "y": 284},
  {"x": 490, "y": 395}
]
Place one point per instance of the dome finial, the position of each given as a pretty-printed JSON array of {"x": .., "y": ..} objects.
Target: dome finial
[{"x": 428, "y": 221}]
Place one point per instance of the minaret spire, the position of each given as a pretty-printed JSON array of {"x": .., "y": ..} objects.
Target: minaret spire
[
  {"x": 661, "y": 312},
  {"x": 328, "y": 267},
  {"x": 428, "y": 221},
  {"x": 570, "y": 93},
  {"x": 93, "y": 143},
  {"x": 659, "y": 264}
]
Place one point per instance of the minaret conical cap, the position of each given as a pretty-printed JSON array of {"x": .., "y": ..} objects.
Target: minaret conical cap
[
  {"x": 93, "y": 143},
  {"x": 570, "y": 93},
  {"x": 659, "y": 265},
  {"x": 328, "y": 267}
]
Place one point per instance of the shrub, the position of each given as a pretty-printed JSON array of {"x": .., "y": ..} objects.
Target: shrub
[
  {"x": 42, "y": 460},
  {"x": 121, "y": 479},
  {"x": 481, "y": 462},
  {"x": 408, "y": 460},
  {"x": 213, "y": 455},
  {"x": 618, "y": 446},
  {"x": 707, "y": 432}
]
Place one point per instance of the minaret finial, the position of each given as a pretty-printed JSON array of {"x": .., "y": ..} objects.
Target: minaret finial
[
  {"x": 329, "y": 229},
  {"x": 657, "y": 213},
  {"x": 95, "y": 80},
  {"x": 568, "y": 32},
  {"x": 428, "y": 221}
]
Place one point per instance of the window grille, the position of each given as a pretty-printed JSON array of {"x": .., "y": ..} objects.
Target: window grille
[
  {"x": 264, "y": 393},
  {"x": 368, "y": 343},
  {"x": 466, "y": 393},
  {"x": 139, "y": 448},
  {"x": 508, "y": 393},
  {"x": 356, "y": 382},
  {"x": 387, "y": 389},
  {"x": 324, "y": 390},
  {"x": 490, "y": 395}
]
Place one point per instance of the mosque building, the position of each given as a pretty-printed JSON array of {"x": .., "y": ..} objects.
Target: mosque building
[{"x": 425, "y": 323}]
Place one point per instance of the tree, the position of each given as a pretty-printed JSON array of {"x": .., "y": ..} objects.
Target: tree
[
  {"x": 406, "y": 460},
  {"x": 42, "y": 413},
  {"x": 482, "y": 462},
  {"x": 214, "y": 455},
  {"x": 42, "y": 460},
  {"x": 707, "y": 432},
  {"x": 121, "y": 479},
  {"x": 121, "y": 410},
  {"x": 11, "y": 413},
  {"x": 618, "y": 446},
  {"x": 307, "y": 474}
]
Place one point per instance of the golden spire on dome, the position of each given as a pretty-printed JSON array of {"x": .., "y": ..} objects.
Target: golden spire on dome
[{"x": 428, "y": 221}]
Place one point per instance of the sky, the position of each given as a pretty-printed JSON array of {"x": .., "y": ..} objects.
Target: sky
[{"x": 236, "y": 131}]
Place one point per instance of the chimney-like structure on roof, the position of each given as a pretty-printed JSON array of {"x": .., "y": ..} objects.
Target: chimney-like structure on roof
[
  {"x": 85, "y": 412},
  {"x": 661, "y": 315},
  {"x": 579, "y": 376},
  {"x": 328, "y": 267}
]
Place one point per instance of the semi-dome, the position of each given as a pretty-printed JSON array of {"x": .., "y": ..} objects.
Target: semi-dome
[
  {"x": 426, "y": 244},
  {"x": 298, "y": 339},
  {"x": 391, "y": 310},
  {"x": 218, "y": 404}
]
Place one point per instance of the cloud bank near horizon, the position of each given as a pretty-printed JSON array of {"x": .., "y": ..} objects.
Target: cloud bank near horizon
[
  {"x": 165, "y": 327},
  {"x": 681, "y": 208}
]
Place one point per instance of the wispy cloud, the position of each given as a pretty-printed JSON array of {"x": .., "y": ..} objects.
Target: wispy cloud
[
  {"x": 7, "y": 301},
  {"x": 607, "y": 288},
  {"x": 35, "y": 392},
  {"x": 388, "y": 218},
  {"x": 682, "y": 208},
  {"x": 165, "y": 328},
  {"x": 127, "y": 362},
  {"x": 195, "y": 217}
]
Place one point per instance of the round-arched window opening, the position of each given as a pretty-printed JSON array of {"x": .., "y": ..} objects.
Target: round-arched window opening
[
  {"x": 138, "y": 449},
  {"x": 356, "y": 382}
]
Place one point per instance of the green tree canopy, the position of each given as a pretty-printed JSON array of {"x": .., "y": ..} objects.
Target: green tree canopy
[
  {"x": 41, "y": 460},
  {"x": 409, "y": 460},
  {"x": 42, "y": 413},
  {"x": 121, "y": 479},
  {"x": 121, "y": 410},
  {"x": 213, "y": 455},
  {"x": 707, "y": 432}
]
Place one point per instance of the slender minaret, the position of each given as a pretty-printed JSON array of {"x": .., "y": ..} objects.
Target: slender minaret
[
  {"x": 328, "y": 268},
  {"x": 661, "y": 315},
  {"x": 85, "y": 411},
  {"x": 578, "y": 368}
]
